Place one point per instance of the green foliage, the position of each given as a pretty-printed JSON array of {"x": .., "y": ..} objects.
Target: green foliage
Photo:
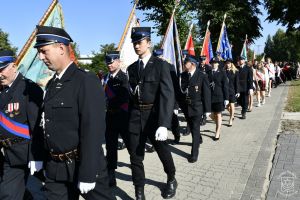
[
  {"x": 75, "y": 48},
  {"x": 98, "y": 61},
  {"x": 283, "y": 46},
  {"x": 4, "y": 42},
  {"x": 160, "y": 12},
  {"x": 285, "y": 12},
  {"x": 242, "y": 18}
]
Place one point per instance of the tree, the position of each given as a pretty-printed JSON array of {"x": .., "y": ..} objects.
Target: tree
[
  {"x": 242, "y": 18},
  {"x": 285, "y": 12},
  {"x": 269, "y": 46},
  {"x": 283, "y": 46},
  {"x": 160, "y": 12},
  {"x": 4, "y": 42},
  {"x": 98, "y": 61},
  {"x": 75, "y": 48}
]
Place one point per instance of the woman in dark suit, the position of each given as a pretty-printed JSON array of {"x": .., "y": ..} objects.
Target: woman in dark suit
[
  {"x": 219, "y": 94},
  {"x": 234, "y": 87}
]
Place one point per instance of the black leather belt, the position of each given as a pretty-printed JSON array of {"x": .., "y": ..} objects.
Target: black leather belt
[
  {"x": 62, "y": 157},
  {"x": 143, "y": 107},
  {"x": 8, "y": 142},
  {"x": 188, "y": 101}
]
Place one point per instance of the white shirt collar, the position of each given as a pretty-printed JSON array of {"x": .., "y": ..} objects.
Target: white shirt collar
[
  {"x": 115, "y": 73},
  {"x": 146, "y": 59},
  {"x": 192, "y": 72},
  {"x": 63, "y": 71}
]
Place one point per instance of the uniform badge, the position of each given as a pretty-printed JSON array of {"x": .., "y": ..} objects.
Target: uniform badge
[
  {"x": 196, "y": 88},
  {"x": 10, "y": 109},
  {"x": 16, "y": 108},
  {"x": 58, "y": 85}
]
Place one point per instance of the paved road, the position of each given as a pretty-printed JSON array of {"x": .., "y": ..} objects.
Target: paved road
[{"x": 235, "y": 167}]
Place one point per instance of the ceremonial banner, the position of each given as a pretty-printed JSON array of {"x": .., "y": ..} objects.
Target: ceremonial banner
[
  {"x": 207, "y": 46},
  {"x": 189, "y": 45},
  {"x": 127, "y": 53},
  {"x": 171, "y": 45},
  {"x": 224, "y": 47},
  {"x": 28, "y": 62},
  {"x": 244, "y": 50}
]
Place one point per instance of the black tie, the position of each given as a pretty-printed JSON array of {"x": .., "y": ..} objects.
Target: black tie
[
  {"x": 52, "y": 86},
  {"x": 141, "y": 68},
  {"x": 190, "y": 76},
  {"x": 4, "y": 89}
]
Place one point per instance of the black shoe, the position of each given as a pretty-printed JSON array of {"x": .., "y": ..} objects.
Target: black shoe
[
  {"x": 203, "y": 121},
  {"x": 243, "y": 115},
  {"x": 176, "y": 140},
  {"x": 149, "y": 149},
  {"x": 216, "y": 139},
  {"x": 121, "y": 145},
  {"x": 192, "y": 159},
  {"x": 112, "y": 178},
  {"x": 170, "y": 189},
  {"x": 186, "y": 133},
  {"x": 139, "y": 193}
]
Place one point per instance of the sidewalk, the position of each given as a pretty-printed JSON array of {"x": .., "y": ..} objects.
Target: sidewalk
[
  {"x": 285, "y": 173},
  {"x": 235, "y": 167}
]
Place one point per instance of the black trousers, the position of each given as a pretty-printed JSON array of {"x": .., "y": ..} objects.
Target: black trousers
[
  {"x": 244, "y": 101},
  {"x": 115, "y": 124},
  {"x": 175, "y": 125},
  {"x": 13, "y": 181},
  {"x": 61, "y": 190},
  {"x": 194, "y": 124},
  {"x": 136, "y": 148}
]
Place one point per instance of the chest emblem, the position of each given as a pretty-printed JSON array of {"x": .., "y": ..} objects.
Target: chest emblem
[{"x": 13, "y": 109}]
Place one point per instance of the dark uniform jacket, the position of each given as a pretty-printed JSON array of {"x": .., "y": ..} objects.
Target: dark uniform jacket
[
  {"x": 246, "y": 78},
  {"x": 196, "y": 99},
  {"x": 205, "y": 68},
  {"x": 75, "y": 119},
  {"x": 155, "y": 87},
  {"x": 219, "y": 86},
  {"x": 117, "y": 99},
  {"x": 234, "y": 83},
  {"x": 28, "y": 98}
]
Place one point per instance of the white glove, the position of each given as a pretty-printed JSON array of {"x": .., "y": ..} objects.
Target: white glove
[
  {"x": 161, "y": 134},
  {"x": 175, "y": 111},
  {"x": 86, "y": 187},
  {"x": 35, "y": 166},
  {"x": 207, "y": 114},
  {"x": 226, "y": 102},
  {"x": 237, "y": 95}
]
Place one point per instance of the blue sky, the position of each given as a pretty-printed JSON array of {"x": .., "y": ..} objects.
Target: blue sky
[{"x": 90, "y": 23}]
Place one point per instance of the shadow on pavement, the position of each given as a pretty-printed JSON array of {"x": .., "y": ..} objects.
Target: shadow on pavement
[{"x": 118, "y": 192}]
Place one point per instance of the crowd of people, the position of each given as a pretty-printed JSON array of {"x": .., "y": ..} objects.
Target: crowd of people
[{"x": 61, "y": 132}]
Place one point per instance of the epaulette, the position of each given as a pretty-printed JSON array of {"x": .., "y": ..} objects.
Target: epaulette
[{"x": 82, "y": 70}]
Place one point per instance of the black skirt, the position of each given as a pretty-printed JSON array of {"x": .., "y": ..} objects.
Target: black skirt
[
  {"x": 217, "y": 107},
  {"x": 232, "y": 98}
]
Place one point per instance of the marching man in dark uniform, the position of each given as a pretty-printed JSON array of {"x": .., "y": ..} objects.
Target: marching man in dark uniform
[
  {"x": 150, "y": 111},
  {"x": 117, "y": 97},
  {"x": 195, "y": 101},
  {"x": 20, "y": 102},
  {"x": 207, "y": 70},
  {"x": 175, "y": 122},
  {"x": 246, "y": 85},
  {"x": 74, "y": 123}
]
